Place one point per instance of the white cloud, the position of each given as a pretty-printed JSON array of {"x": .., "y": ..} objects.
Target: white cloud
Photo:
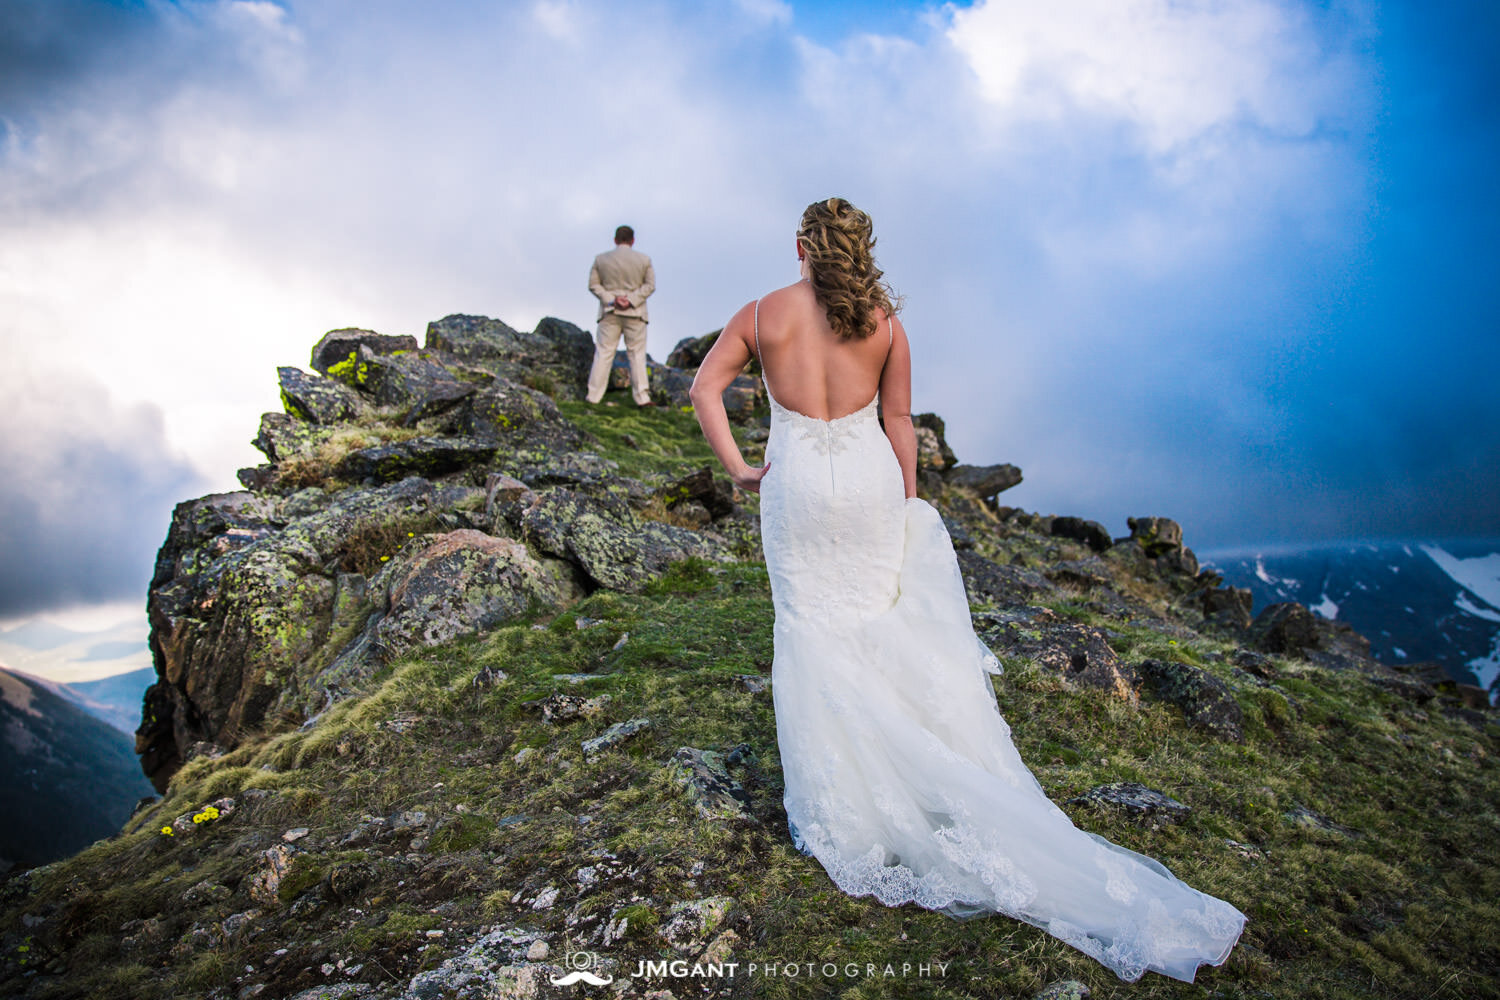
[
  {"x": 1178, "y": 71},
  {"x": 88, "y": 482},
  {"x": 178, "y": 223},
  {"x": 559, "y": 19}
]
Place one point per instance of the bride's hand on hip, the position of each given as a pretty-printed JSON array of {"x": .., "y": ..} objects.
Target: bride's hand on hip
[{"x": 749, "y": 477}]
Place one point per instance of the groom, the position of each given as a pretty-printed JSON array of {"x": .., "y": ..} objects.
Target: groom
[{"x": 621, "y": 279}]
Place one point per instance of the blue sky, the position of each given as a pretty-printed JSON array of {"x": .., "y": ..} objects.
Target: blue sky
[{"x": 1228, "y": 262}]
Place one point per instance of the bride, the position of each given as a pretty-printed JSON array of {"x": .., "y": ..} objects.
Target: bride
[{"x": 901, "y": 778}]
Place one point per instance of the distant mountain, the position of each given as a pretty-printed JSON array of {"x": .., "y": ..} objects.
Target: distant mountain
[
  {"x": 116, "y": 700},
  {"x": 1415, "y": 601},
  {"x": 74, "y": 778}
]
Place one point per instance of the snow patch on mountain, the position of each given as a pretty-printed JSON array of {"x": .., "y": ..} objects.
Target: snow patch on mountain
[
  {"x": 1260, "y": 572},
  {"x": 1467, "y": 606},
  {"x": 1480, "y": 576},
  {"x": 1326, "y": 608},
  {"x": 1487, "y": 668}
]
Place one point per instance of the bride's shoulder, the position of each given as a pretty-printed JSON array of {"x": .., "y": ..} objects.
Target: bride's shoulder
[
  {"x": 788, "y": 302},
  {"x": 795, "y": 292}
]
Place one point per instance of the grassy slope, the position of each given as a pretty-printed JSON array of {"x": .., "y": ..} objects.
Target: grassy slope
[{"x": 1404, "y": 907}]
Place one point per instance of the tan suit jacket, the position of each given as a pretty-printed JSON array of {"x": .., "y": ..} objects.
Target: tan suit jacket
[{"x": 622, "y": 271}]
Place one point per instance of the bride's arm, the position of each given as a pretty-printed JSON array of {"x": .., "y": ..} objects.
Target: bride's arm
[
  {"x": 724, "y": 361},
  {"x": 895, "y": 407}
]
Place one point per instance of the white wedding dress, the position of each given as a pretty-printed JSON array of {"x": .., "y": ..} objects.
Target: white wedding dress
[{"x": 901, "y": 778}]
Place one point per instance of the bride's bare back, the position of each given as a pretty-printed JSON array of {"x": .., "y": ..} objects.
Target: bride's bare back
[{"x": 810, "y": 368}]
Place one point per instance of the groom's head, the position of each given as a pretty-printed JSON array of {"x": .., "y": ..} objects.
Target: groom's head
[{"x": 625, "y": 235}]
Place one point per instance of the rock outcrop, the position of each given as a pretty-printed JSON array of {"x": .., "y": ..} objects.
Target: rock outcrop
[
  {"x": 532, "y": 651},
  {"x": 411, "y": 496}
]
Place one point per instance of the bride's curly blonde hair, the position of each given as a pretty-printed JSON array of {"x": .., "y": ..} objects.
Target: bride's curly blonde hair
[{"x": 838, "y": 240}]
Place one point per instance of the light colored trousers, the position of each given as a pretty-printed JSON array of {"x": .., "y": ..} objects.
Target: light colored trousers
[{"x": 611, "y": 326}]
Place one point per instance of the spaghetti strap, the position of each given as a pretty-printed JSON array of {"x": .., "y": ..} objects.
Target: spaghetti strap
[
  {"x": 765, "y": 378},
  {"x": 890, "y": 326},
  {"x": 757, "y": 334}
]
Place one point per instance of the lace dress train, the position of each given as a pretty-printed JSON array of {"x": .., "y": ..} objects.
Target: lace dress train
[{"x": 901, "y": 777}]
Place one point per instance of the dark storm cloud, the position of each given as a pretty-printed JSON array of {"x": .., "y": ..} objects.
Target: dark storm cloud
[
  {"x": 1229, "y": 263},
  {"x": 86, "y": 494},
  {"x": 47, "y": 44},
  {"x": 1332, "y": 376}
]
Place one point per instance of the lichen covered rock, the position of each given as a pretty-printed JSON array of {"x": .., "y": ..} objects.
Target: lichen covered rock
[
  {"x": 983, "y": 480},
  {"x": 1287, "y": 629},
  {"x": 714, "y": 792},
  {"x": 519, "y": 420},
  {"x": 692, "y": 923},
  {"x": 1091, "y": 533},
  {"x": 555, "y": 356},
  {"x": 429, "y": 457},
  {"x": 606, "y": 539},
  {"x": 1206, "y": 701},
  {"x": 443, "y": 586},
  {"x": 998, "y": 583},
  {"x": 1160, "y": 538},
  {"x": 1134, "y": 798},
  {"x": 1080, "y": 654},
  {"x": 241, "y": 607},
  {"x": 343, "y": 345},
  {"x": 316, "y": 399}
]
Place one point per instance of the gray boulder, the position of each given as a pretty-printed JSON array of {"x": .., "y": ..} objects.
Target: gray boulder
[
  {"x": 716, "y": 495},
  {"x": 440, "y": 587},
  {"x": 342, "y": 347},
  {"x": 429, "y": 457},
  {"x": 555, "y": 357},
  {"x": 690, "y": 351},
  {"x": 1156, "y": 535},
  {"x": 743, "y": 397},
  {"x": 571, "y": 345},
  {"x": 692, "y": 923},
  {"x": 613, "y": 736},
  {"x": 406, "y": 381},
  {"x": 1091, "y": 533},
  {"x": 1289, "y": 629},
  {"x": 714, "y": 792},
  {"x": 1206, "y": 701},
  {"x": 1286, "y": 629},
  {"x": 1134, "y": 798},
  {"x": 242, "y": 605},
  {"x": 603, "y": 536},
  {"x": 476, "y": 337},
  {"x": 932, "y": 442},
  {"x": 619, "y": 370},
  {"x": 1227, "y": 606},
  {"x": 669, "y": 387},
  {"x": 282, "y": 435},
  {"x": 438, "y": 398},
  {"x": 1306, "y": 819},
  {"x": 1080, "y": 654},
  {"x": 1160, "y": 538},
  {"x": 998, "y": 583},
  {"x": 583, "y": 469},
  {"x": 983, "y": 480},
  {"x": 520, "y": 420},
  {"x": 316, "y": 399}
]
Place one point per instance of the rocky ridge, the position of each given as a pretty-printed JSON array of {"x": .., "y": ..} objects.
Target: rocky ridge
[
  {"x": 414, "y": 495},
  {"x": 472, "y": 678}
]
